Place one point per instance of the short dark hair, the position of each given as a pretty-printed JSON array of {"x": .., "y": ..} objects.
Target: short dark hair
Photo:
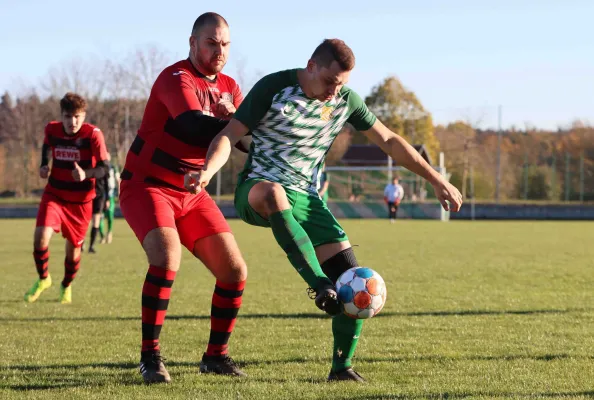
[
  {"x": 207, "y": 19},
  {"x": 334, "y": 50},
  {"x": 72, "y": 102}
]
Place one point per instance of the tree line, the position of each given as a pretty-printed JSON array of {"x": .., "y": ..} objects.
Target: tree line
[{"x": 534, "y": 164}]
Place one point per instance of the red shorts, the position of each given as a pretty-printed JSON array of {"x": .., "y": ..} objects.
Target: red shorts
[
  {"x": 146, "y": 207},
  {"x": 71, "y": 218}
]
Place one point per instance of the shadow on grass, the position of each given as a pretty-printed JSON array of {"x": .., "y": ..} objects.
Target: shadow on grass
[
  {"x": 299, "y": 360},
  {"x": 502, "y": 357},
  {"x": 430, "y": 358},
  {"x": 320, "y": 382},
  {"x": 64, "y": 377},
  {"x": 464, "y": 395},
  {"x": 87, "y": 376},
  {"x": 457, "y": 313}
]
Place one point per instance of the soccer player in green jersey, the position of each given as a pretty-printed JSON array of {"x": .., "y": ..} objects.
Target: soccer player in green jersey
[
  {"x": 113, "y": 183},
  {"x": 294, "y": 116}
]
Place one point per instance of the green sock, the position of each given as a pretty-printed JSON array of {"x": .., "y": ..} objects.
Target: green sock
[
  {"x": 346, "y": 331},
  {"x": 294, "y": 241},
  {"x": 101, "y": 228}
]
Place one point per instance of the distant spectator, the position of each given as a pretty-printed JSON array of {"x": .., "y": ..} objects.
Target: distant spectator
[
  {"x": 357, "y": 192},
  {"x": 393, "y": 194}
]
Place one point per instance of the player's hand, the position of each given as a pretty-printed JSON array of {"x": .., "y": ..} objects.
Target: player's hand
[
  {"x": 225, "y": 108},
  {"x": 446, "y": 192},
  {"x": 106, "y": 203},
  {"x": 78, "y": 173},
  {"x": 195, "y": 181},
  {"x": 44, "y": 172}
]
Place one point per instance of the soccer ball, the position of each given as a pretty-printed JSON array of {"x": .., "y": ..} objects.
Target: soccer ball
[{"x": 362, "y": 292}]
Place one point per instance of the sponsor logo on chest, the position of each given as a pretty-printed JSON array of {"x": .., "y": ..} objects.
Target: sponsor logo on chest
[{"x": 67, "y": 153}]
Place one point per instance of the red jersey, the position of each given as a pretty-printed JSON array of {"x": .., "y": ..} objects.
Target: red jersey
[
  {"x": 86, "y": 147},
  {"x": 162, "y": 153}
]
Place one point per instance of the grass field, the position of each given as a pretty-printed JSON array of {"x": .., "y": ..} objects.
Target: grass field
[{"x": 474, "y": 310}]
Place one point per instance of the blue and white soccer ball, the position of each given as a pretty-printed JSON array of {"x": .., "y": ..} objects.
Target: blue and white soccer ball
[{"x": 362, "y": 292}]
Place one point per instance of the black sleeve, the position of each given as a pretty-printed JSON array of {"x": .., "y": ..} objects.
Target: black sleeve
[
  {"x": 199, "y": 129},
  {"x": 244, "y": 143},
  {"x": 99, "y": 171},
  {"x": 46, "y": 150}
]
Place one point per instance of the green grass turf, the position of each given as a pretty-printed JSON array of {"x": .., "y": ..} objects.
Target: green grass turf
[{"x": 474, "y": 310}]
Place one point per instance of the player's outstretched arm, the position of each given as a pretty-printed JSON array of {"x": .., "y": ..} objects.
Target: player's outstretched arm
[
  {"x": 218, "y": 154},
  {"x": 405, "y": 155}
]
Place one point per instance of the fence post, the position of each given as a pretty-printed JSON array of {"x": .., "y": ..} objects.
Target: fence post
[
  {"x": 472, "y": 198},
  {"x": 526, "y": 175},
  {"x": 582, "y": 177},
  {"x": 567, "y": 175},
  {"x": 554, "y": 175}
]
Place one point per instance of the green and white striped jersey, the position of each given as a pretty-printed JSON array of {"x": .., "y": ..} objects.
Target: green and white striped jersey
[{"x": 291, "y": 133}]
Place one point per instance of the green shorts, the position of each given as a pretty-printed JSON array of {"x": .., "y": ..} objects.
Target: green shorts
[{"x": 310, "y": 211}]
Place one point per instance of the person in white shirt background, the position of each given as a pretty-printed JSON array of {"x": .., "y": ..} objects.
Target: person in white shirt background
[{"x": 393, "y": 194}]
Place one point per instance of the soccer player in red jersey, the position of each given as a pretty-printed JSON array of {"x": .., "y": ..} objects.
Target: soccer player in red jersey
[
  {"x": 79, "y": 157},
  {"x": 190, "y": 102}
]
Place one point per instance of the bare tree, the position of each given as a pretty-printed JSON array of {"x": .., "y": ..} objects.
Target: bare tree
[
  {"x": 86, "y": 76},
  {"x": 143, "y": 66}
]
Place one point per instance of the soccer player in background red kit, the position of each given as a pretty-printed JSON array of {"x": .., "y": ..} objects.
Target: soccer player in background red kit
[
  {"x": 189, "y": 104},
  {"x": 79, "y": 157}
]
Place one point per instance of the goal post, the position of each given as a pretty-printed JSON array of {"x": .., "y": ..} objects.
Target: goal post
[{"x": 358, "y": 191}]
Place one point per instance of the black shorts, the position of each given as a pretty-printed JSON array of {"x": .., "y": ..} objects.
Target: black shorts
[{"x": 98, "y": 204}]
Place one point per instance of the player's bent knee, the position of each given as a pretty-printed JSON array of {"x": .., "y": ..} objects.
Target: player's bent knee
[
  {"x": 339, "y": 263},
  {"x": 167, "y": 259},
  {"x": 267, "y": 198},
  {"x": 163, "y": 248},
  {"x": 42, "y": 237},
  {"x": 221, "y": 255},
  {"x": 73, "y": 253},
  {"x": 235, "y": 272}
]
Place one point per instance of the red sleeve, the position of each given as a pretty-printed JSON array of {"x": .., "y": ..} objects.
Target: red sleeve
[
  {"x": 237, "y": 95},
  {"x": 177, "y": 91},
  {"x": 98, "y": 145}
]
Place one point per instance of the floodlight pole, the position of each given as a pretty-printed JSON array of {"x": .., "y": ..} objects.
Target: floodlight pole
[{"x": 498, "y": 167}]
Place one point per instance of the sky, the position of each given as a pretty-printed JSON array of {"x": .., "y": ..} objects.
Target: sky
[{"x": 463, "y": 59}]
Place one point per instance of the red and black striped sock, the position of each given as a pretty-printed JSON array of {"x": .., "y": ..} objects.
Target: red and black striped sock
[
  {"x": 41, "y": 257},
  {"x": 70, "y": 270},
  {"x": 226, "y": 301},
  {"x": 155, "y": 299}
]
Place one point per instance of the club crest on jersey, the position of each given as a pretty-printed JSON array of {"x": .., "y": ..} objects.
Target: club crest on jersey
[
  {"x": 227, "y": 97},
  {"x": 326, "y": 113},
  {"x": 67, "y": 154}
]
